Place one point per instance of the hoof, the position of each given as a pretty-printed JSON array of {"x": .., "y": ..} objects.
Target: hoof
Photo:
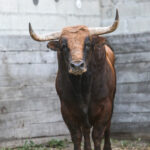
[{"x": 107, "y": 148}]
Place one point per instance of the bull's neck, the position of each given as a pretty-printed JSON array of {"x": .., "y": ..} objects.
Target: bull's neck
[
  {"x": 81, "y": 83},
  {"x": 98, "y": 61}
]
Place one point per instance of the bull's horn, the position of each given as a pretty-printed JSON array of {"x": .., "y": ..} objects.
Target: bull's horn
[
  {"x": 51, "y": 36},
  {"x": 104, "y": 30}
]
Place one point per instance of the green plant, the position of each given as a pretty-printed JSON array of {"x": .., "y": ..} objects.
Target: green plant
[
  {"x": 124, "y": 143},
  {"x": 58, "y": 143},
  {"x": 5, "y": 149},
  {"x": 28, "y": 145}
]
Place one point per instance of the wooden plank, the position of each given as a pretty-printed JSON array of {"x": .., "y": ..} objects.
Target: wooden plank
[
  {"x": 130, "y": 43},
  {"x": 30, "y": 104},
  {"x": 24, "y": 119},
  {"x": 131, "y": 127},
  {"x": 24, "y": 43},
  {"x": 132, "y": 117},
  {"x": 129, "y": 38},
  {"x": 132, "y": 107},
  {"x": 35, "y": 130},
  {"x": 28, "y": 57},
  {"x": 135, "y": 42},
  {"x": 125, "y": 73},
  {"x": 132, "y": 76},
  {"x": 17, "y": 71},
  {"x": 136, "y": 87},
  {"x": 17, "y": 93},
  {"x": 8, "y": 81},
  {"x": 122, "y": 48},
  {"x": 137, "y": 67},
  {"x": 50, "y": 57},
  {"x": 137, "y": 72},
  {"x": 37, "y": 57},
  {"x": 132, "y": 57},
  {"x": 132, "y": 97}
]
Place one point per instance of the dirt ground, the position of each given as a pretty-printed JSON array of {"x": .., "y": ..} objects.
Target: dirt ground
[
  {"x": 125, "y": 145},
  {"x": 67, "y": 145}
]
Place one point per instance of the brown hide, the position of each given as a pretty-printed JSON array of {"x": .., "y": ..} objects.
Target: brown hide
[
  {"x": 110, "y": 55},
  {"x": 86, "y": 81},
  {"x": 75, "y": 36},
  {"x": 110, "y": 58},
  {"x": 87, "y": 100}
]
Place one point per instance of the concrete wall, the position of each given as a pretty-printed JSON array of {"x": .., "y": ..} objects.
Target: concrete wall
[
  {"x": 29, "y": 105},
  {"x": 50, "y": 15},
  {"x": 132, "y": 102},
  {"x": 134, "y": 15}
]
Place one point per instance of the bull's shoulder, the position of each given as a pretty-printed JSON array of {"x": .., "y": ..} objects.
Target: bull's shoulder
[
  {"x": 110, "y": 54},
  {"x": 110, "y": 58},
  {"x": 97, "y": 40},
  {"x": 103, "y": 43}
]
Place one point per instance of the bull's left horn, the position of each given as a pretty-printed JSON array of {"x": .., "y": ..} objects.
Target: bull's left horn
[
  {"x": 51, "y": 36},
  {"x": 104, "y": 30}
]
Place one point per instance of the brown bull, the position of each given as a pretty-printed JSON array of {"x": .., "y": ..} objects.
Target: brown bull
[{"x": 86, "y": 81}]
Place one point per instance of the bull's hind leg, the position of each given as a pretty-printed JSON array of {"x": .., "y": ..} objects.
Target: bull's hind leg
[
  {"x": 107, "y": 143},
  {"x": 86, "y": 134}
]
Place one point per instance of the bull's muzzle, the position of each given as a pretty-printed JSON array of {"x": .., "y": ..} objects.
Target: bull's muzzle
[{"x": 77, "y": 68}]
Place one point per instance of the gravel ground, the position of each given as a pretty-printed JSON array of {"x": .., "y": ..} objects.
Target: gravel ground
[
  {"x": 130, "y": 145},
  {"x": 66, "y": 145}
]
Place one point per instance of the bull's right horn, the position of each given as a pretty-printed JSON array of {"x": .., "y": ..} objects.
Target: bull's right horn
[{"x": 51, "y": 36}]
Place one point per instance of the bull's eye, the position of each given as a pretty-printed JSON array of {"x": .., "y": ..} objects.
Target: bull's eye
[
  {"x": 63, "y": 44},
  {"x": 87, "y": 45}
]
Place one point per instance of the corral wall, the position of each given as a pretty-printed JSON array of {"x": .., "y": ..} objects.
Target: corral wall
[
  {"x": 51, "y": 15},
  {"x": 29, "y": 105},
  {"x": 47, "y": 16}
]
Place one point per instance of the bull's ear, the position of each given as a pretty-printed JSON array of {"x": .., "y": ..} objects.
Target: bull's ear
[
  {"x": 53, "y": 45},
  {"x": 98, "y": 40}
]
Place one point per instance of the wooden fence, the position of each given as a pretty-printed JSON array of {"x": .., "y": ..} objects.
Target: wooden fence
[{"x": 29, "y": 105}]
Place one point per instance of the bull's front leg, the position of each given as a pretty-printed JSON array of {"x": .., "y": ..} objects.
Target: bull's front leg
[
  {"x": 76, "y": 136},
  {"x": 97, "y": 135},
  {"x": 74, "y": 128},
  {"x": 107, "y": 143},
  {"x": 86, "y": 134},
  {"x": 101, "y": 112}
]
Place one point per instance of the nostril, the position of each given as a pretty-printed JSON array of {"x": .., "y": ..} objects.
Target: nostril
[
  {"x": 77, "y": 65},
  {"x": 82, "y": 64},
  {"x": 72, "y": 65}
]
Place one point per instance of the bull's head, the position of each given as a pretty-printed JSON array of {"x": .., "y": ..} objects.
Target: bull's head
[{"x": 74, "y": 43}]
